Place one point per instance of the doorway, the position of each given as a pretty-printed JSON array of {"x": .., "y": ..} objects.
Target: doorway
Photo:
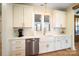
[
  {"x": 76, "y": 28},
  {"x": 76, "y": 25}
]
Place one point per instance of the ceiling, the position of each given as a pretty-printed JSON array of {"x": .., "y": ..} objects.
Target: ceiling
[{"x": 59, "y": 6}]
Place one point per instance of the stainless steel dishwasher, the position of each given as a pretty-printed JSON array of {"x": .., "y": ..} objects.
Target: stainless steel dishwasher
[{"x": 32, "y": 47}]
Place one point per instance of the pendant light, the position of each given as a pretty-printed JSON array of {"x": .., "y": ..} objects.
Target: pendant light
[
  {"x": 45, "y": 8},
  {"x": 45, "y": 11}
]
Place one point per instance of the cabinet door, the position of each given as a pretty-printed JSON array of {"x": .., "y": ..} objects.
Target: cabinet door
[
  {"x": 51, "y": 46},
  {"x": 17, "y": 47},
  {"x": 63, "y": 19},
  {"x": 43, "y": 47},
  {"x": 51, "y": 43},
  {"x": 58, "y": 43},
  {"x": 59, "y": 19},
  {"x": 18, "y": 16},
  {"x": 28, "y": 10},
  {"x": 65, "y": 42}
]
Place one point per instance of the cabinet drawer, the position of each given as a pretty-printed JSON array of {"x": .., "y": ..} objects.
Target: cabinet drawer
[
  {"x": 17, "y": 42},
  {"x": 17, "y": 47},
  {"x": 18, "y": 53}
]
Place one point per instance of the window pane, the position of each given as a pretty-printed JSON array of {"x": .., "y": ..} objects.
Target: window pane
[
  {"x": 46, "y": 18},
  {"x": 37, "y": 18},
  {"x": 77, "y": 26}
]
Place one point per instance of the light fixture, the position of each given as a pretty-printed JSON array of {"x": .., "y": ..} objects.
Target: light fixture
[{"x": 45, "y": 8}]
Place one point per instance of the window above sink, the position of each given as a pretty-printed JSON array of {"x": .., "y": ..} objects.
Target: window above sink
[{"x": 41, "y": 22}]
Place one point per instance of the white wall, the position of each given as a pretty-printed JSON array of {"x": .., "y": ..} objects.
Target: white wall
[
  {"x": 6, "y": 27},
  {"x": 70, "y": 25}
]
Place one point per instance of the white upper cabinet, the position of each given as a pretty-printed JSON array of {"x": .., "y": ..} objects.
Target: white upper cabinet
[
  {"x": 59, "y": 18},
  {"x": 28, "y": 11},
  {"x": 22, "y": 16},
  {"x": 17, "y": 16}
]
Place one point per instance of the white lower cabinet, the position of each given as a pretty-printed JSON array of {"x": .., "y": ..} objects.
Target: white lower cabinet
[
  {"x": 43, "y": 47},
  {"x": 58, "y": 44},
  {"x": 67, "y": 42},
  {"x": 54, "y": 43},
  {"x": 46, "y": 44},
  {"x": 63, "y": 44},
  {"x": 51, "y": 46},
  {"x": 17, "y": 47}
]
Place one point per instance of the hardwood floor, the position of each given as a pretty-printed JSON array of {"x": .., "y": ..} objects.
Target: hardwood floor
[
  {"x": 77, "y": 45},
  {"x": 67, "y": 52}
]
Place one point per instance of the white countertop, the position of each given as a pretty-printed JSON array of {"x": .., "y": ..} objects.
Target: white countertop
[
  {"x": 28, "y": 37},
  {"x": 25, "y": 37}
]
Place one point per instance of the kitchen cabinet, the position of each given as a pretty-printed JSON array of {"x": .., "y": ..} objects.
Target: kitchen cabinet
[
  {"x": 22, "y": 16},
  {"x": 51, "y": 45},
  {"x": 17, "y": 16},
  {"x": 66, "y": 42},
  {"x": 43, "y": 47},
  {"x": 46, "y": 45},
  {"x": 58, "y": 43},
  {"x": 17, "y": 47},
  {"x": 54, "y": 43},
  {"x": 63, "y": 42},
  {"x": 59, "y": 18},
  {"x": 35, "y": 46},
  {"x": 28, "y": 16},
  {"x": 24, "y": 47}
]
